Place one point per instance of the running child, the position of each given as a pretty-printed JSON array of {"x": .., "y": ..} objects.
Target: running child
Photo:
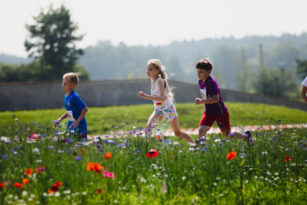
[
  {"x": 75, "y": 107},
  {"x": 215, "y": 109},
  {"x": 162, "y": 98}
]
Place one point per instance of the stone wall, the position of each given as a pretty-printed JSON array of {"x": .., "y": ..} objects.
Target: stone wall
[{"x": 26, "y": 96}]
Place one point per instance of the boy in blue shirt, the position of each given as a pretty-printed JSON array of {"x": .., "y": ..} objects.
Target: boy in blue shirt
[{"x": 75, "y": 107}]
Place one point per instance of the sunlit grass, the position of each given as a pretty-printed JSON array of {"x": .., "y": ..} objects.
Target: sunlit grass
[
  {"x": 103, "y": 119},
  {"x": 272, "y": 171}
]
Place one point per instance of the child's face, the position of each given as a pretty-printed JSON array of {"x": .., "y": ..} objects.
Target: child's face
[
  {"x": 203, "y": 74},
  {"x": 152, "y": 71},
  {"x": 67, "y": 86}
]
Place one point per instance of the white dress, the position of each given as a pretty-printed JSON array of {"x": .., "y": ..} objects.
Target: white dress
[{"x": 166, "y": 107}]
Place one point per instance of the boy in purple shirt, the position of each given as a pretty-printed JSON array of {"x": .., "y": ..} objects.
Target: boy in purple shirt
[{"x": 215, "y": 107}]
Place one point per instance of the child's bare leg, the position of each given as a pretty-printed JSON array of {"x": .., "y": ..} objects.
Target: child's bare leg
[
  {"x": 175, "y": 127},
  {"x": 202, "y": 131},
  {"x": 154, "y": 118}
]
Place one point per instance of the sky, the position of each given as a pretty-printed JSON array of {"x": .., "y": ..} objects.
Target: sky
[{"x": 156, "y": 22}]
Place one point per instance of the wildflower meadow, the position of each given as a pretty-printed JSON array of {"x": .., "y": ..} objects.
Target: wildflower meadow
[{"x": 40, "y": 164}]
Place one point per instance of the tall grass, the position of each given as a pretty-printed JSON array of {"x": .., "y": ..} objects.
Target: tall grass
[{"x": 272, "y": 171}]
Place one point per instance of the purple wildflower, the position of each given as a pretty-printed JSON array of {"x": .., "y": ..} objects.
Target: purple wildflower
[
  {"x": 204, "y": 149},
  {"x": 168, "y": 141},
  {"x": 78, "y": 158}
]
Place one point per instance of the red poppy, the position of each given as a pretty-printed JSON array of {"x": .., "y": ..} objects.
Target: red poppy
[
  {"x": 107, "y": 156},
  {"x": 287, "y": 159},
  {"x": 98, "y": 168},
  {"x": 40, "y": 169},
  {"x": 25, "y": 181},
  {"x": 158, "y": 137},
  {"x": 99, "y": 191},
  {"x": 58, "y": 183},
  {"x": 18, "y": 185},
  {"x": 55, "y": 187},
  {"x": 28, "y": 171},
  {"x": 152, "y": 153},
  {"x": 1, "y": 185},
  {"x": 231, "y": 155},
  {"x": 92, "y": 166}
]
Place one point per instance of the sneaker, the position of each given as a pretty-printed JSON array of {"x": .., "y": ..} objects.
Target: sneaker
[{"x": 249, "y": 137}]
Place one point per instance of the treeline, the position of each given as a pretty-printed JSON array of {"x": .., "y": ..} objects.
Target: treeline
[
  {"x": 260, "y": 64},
  {"x": 240, "y": 64},
  {"x": 36, "y": 71}
]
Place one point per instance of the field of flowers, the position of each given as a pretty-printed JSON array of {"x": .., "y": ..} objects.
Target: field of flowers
[{"x": 43, "y": 165}]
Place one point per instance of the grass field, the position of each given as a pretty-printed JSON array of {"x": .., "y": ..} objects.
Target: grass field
[
  {"x": 42, "y": 165},
  {"x": 102, "y": 120}
]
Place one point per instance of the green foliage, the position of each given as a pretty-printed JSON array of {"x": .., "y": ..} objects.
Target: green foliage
[
  {"x": 36, "y": 71},
  {"x": 282, "y": 55},
  {"x": 243, "y": 72},
  {"x": 52, "y": 41},
  {"x": 106, "y": 61},
  {"x": 180, "y": 174},
  {"x": 104, "y": 119},
  {"x": 301, "y": 67},
  {"x": 274, "y": 82},
  {"x": 180, "y": 58}
]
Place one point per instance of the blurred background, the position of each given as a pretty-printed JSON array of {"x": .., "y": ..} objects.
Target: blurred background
[{"x": 257, "y": 47}]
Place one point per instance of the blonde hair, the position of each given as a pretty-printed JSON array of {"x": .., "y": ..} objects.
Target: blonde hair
[
  {"x": 158, "y": 65},
  {"x": 72, "y": 77}
]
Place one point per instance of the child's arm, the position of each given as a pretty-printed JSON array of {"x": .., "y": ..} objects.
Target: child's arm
[
  {"x": 82, "y": 115},
  {"x": 214, "y": 99},
  {"x": 162, "y": 96},
  {"x": 56, "y": 122},
  {"x": 304, "y": 92},
  {"x": 150, "y": 97}
]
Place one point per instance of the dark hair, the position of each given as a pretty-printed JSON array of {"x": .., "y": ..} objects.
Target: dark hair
[{"x": 204, "y": 64}]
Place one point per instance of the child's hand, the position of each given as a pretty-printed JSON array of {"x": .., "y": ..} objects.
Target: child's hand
[
  {"x": 142, "y": 94},
  {"x": 198, "y": 101},
  {"x": 75, "y": 124},
  {"x": 55, "y": 123}
]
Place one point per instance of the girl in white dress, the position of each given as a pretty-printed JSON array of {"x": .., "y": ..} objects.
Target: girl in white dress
[{"x": 162, "y": 98}]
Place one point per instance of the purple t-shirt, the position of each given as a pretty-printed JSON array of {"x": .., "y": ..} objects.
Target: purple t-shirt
[{"x": 207, "y": 90}]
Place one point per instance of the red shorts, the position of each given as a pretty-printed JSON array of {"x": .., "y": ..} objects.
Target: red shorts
[{"x": 222, "y": 121}]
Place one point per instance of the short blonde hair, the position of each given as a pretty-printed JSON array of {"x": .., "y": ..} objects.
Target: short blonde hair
[{"x": 72, "y": 77}]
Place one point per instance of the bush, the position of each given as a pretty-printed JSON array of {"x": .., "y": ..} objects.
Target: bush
[
  {"x": 35, "y": 71},
  {"x": 275, "y": 82}
]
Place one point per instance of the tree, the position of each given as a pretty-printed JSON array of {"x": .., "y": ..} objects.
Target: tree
[
  {"x": 301, "y": 68},
  {"x": 275, "y": 82},
  {"x": 52, "y": 41},
  {"x": 243, "y": 72}
]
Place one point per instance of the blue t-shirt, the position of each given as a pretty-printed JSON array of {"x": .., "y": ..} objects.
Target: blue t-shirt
[{"x": 74, "y": 105}]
